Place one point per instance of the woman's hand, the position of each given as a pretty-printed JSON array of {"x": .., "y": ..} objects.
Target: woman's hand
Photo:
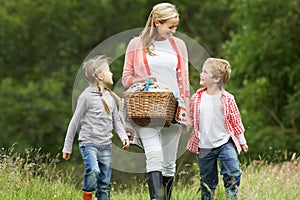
[{"x": 189, "y": 124}]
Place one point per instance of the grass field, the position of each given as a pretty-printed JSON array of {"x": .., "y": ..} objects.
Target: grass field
[{"x": 35, "y": 176}]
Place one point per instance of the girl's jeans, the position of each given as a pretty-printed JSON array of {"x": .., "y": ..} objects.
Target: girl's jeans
[
  {"x": 208, "y": 164},
  {"x": 160, "y": 146},
  {"x": 98, "y": 169}
]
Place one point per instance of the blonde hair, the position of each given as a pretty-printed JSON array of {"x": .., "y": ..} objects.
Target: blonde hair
[
  {"x": 94, "y": 66},
  {"x": 220, "y": 68},
  {"x": 161, "y": 12}
]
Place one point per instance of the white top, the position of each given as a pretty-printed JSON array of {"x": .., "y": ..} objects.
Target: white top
[
  {"x": 212, "y": 132},
  {"x": 163, "y": 65}
]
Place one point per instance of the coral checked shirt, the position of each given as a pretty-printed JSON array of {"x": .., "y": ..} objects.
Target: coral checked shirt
[{"x": 232, "y": 120}]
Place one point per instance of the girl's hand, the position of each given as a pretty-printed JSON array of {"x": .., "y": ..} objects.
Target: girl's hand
[
  {"x": 244, "y": 147},
  {"x": 66, "y": 156},
  {"x": 125, "y": 144}
]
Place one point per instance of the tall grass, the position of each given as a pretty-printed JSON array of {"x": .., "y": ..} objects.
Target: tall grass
[
  {"x": 35, "y": 176},
  {"x": 260, "y": 181},
  {"x": 271, "y": 181}
]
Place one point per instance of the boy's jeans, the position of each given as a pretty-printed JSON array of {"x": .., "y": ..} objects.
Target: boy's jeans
[
  {"x": 208, "y": 164},
  {"x": 98, "y": 169}
]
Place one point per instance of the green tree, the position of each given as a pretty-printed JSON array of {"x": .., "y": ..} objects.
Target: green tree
[
  {"x": 34, "y": 114},
  {"x": 266, "y": 70},
  {"x": 208, "y": 22},
  {"x": 43, "y": 44},
  {"x": 51, "y": 34}
]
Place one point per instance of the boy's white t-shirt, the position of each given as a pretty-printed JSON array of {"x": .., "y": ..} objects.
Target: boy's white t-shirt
[
  {"x": 163, "y": 65},
  {"x": 212, "y": 131}
]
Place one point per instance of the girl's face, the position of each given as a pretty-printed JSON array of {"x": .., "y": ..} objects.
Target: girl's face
[
  {"x": 206, "y": 77},
  {"x": 106, "y": 76},
  {"x": 167, "y": 28}
]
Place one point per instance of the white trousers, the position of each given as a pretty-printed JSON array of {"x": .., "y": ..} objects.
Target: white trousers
[{"x": 160, "y": 145}]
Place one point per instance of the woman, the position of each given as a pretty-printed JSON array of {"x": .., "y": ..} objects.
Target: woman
[{"x": 157, "y": 54}]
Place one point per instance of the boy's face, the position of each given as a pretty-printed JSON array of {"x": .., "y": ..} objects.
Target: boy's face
[{"x": 206, "y": 77}]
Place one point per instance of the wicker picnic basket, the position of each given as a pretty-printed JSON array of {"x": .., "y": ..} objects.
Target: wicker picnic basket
[{"x": 150, "y": 108}]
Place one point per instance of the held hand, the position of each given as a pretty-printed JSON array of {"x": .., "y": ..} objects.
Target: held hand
[
  {"x": 125, "y": 144},
  {"x": 188, "y": 125},
  {"x": 66, "y": 156},
  {"x": 244, "y": 147}
]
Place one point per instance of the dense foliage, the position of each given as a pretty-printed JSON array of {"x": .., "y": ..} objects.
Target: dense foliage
[
  {"x": 264, "y": 53},
  {"x": 43, "y": 43}
]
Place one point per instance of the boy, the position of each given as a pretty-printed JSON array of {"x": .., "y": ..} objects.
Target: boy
[{"x": 218, "y": 130}]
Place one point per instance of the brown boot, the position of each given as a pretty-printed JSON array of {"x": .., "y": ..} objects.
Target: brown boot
[{"x": 87, "y": 195}]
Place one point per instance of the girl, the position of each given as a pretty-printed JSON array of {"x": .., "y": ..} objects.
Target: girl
[{"x": 97, "y": 113}]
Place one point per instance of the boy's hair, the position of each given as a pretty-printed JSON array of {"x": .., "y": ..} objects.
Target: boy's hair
[
  {"x": 161, "y": 12},
  {"x": 220, "y": 68},
  {"x": 94, "y": 66}
]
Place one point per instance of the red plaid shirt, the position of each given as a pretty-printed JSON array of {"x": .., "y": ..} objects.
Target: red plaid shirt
[{"x": 232, "y": 119}]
